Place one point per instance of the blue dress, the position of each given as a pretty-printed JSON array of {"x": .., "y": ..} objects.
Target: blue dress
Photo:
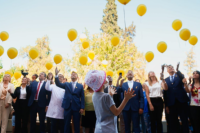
[{"x": 106, "y": 120}]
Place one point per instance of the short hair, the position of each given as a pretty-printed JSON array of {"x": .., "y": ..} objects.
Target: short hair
[
  {"x": 35, "y": 75},
  {"x": 60, "y": 75},
  {"x": 75, "y": 73}
]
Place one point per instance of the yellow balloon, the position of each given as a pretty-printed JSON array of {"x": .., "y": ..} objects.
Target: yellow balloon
[
  {"x": 33, "y": 53},
  {"x": 104, "y": 63},
  {"x": 141, "y": 9},
  {"x": 72, "y": 34},
  {"x": 109, "y": 73},
  {"x": 12, "y": 53},
  {"x": 4, "y": 35},
  {"x": 1, "y": 50},
  {"x": 115, "y": 40},
  {"x": 57, "y": 58},
  {"x": 17, "y": 75},
  {"x": 149, "y": 56},
  {"x": 176, "y": 24},
  {"x": 85, "y": 44},
  {"x": 49, "y": 65},
  {"x": 162, "y": 47},
  {"x": 83, "y": 59},
  {"x": 184, "y": 34},
  {"x": 83, "y": 37},
  {"x": 9, "y": 72},
  {"x": 121, "y": 71},
  {"x": 91, "y": 55},
  {"x": 193, "y": 40},
  {"x": 124, "y": 2}
]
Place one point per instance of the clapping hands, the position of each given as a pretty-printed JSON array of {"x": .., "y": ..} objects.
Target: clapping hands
[{"x": 112, "y": 91}]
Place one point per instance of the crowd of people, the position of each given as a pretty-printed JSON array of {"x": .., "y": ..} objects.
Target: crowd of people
[{"x": 97, "y": 104}]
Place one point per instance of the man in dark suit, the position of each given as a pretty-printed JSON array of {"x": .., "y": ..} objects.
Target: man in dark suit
[
  {"x": 176, "y": 100},
  {"x": 38, "y": 102},
  {"x": 135, "y": 105},
  {"x": 73, "y": 101}
]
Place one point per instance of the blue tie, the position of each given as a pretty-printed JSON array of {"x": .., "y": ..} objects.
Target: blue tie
[{"x": 172, "y": 79}]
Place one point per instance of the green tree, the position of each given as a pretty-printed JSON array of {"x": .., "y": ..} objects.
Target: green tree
[
  {"x": 37, "y": 65},
  {"x": 190, "y": 62},
  {"x": 109, "y": 22}
]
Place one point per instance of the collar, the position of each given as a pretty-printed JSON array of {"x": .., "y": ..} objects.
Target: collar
[
  {"x": 130, "y": 81},
  {"x": 23, "y": 88},
  {"x": 41, "y": 81},
  {"x": 173, "y": 75},
  {"x": 73, "y": 82}
]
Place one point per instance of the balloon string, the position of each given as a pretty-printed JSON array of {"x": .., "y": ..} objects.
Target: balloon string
[{"x": 124, "y": 18}]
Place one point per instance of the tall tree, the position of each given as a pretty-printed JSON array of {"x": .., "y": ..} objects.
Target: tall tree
[
  {"x": 109, "y": 22},
  {"x": 38, "y": 65},
  {"x": 190, "y": 62}
]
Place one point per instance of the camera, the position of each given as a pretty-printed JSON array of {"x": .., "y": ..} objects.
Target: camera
[{"x": 24, "y": 72}]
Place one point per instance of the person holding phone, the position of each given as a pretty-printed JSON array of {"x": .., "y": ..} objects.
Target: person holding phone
[{"x": 176, "y": 99}]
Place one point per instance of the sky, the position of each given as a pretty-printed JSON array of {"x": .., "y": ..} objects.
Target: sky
[{"x": 25, "y": 21}]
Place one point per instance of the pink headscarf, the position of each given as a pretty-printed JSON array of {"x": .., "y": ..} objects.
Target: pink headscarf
[{"x": 95, "y": 79}]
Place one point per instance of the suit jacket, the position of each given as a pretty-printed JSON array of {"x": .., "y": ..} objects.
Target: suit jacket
[
  {"x": 74, "y": 99},
  {"x": 136, "y": 102},
  {"x": 116, "y": 97},
  {"x": 44, "y": 95},
  {"x": 175, "y": 90},
  {"x": 17, "y": 93},
  {"x": 8, "y": 96}
]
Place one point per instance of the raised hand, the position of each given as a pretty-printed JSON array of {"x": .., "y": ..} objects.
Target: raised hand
[
  {"x": 184, "y": 81},
  {"x": 112, "y": 91},
  {"x": 177, "y": 66},
  {"x": 190, "y": 79},
  {"x": 129, "y": 94},
  {"x": 120, "y": 77},
  {"x": 57, "y": 71}
]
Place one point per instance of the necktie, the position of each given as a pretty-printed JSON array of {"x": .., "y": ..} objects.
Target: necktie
[
  {"x": 36, "y": 96},
  {"x": 172, "y": 77}
]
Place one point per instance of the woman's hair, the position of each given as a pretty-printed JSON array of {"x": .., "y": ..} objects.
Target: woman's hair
[
  {"x": 193, "y": 78},
  {"x": 52, "y": 76},
  {"x": 88, "y": 88},
  {"x": 149, "y": 78},
  {"x": 7, "y": 75}
]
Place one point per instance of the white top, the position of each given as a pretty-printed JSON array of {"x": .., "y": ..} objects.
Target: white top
[
  {"x": 172, "y": 77},
  {"x": 130, "y": 84},
  {"x": 22, "y": 93},
  {"x": 55, "y": 109},
  {"x": 39, "y": 89},
  {"x": 155, "y": 90},
  {"x": 73, "y": 85}
]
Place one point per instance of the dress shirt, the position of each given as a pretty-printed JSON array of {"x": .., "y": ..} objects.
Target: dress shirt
[
  {"x": 74, "y": 85},
  {"x": 172, "y": 77},
  {"x": 130, "y": 84},
  {"x": 39, "y": 88},
  {"x": 22, "y": 93}
]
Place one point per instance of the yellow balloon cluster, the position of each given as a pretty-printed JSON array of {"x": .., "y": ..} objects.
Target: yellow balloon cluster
[
  {"x": 9, "y": 72},
  {"x": 176, "y": 24},
  {"x": 124, "y": 2},
  {"x": 49, "y": 65},
  {"x": 109, "y": 73},
  {"x": 57, "y": 58},
  {"x": 4, "y": 35},
  {"x": 184, "y": 34},
  {"x": 83, "y": 59},
  {"x": 121, "y": 71},
  {"x": 193, "y": 40},
  {"x": 72, "y": 34},
  {"x": 85, "y": 44},
  {"x": 141, "y": 9},
  {"x": 149, "y": 56},
  {"x": 1, "y": 50},
  {"x": 115, "y": 40},
  {"x": 12, "y": 53},
  {"x": 33, "y": 53},
  {"x": 17, "y": 75},
  {"x": 162, "y": 47},
  {"x": 91, "y": 55}
]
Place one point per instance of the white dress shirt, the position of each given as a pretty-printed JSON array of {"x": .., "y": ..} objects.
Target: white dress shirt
[
  {"x": 74, "y": 85},
  {"x": 171, "y": 79},
  {"x": 22, "y": 93},
  {"x": 39, "y": 88},
  {"x": 130, "y": 84},
  {"x": 55, "y": 109}
]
